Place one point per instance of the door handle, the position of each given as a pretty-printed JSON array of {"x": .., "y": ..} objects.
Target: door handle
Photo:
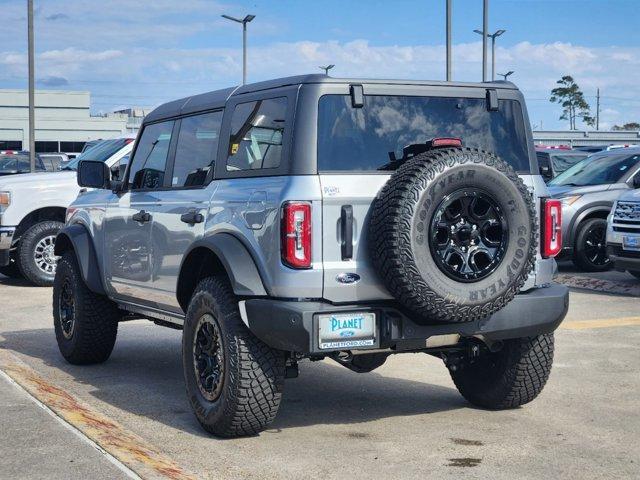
[
  {"x": 346, "y": 224},
  {"x": 141, "y": 217},
  {"x": 192, "y": 217}
]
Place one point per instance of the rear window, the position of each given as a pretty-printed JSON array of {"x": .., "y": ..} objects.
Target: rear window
[
  {"x": 362, "y": 139},
  {"x": 18, "y": 163}
]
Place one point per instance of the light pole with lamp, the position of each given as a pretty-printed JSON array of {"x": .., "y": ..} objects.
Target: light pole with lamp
[
  {"x": 506, "y": 75},
  {"x": 326, "y": 69},
  {"x": 244, "y": 22},
  {"x": 493, "y": 37}
]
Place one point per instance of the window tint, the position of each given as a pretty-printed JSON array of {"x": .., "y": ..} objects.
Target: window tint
[
  {"x": 362, "y": 139},
  {"x": 100, "y": 151},
  {"x": 563, "y": 161},
  {"x": 150, "y": 160},
  {"x": 598, "y": 169},
  {"x": 257, "y": 129},
  {"x": 196, "y": 149}
]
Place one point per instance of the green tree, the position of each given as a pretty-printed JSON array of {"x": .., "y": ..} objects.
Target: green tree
[
  {"x": 633, "y": 126},
  {"x": 571, "y": 98}
]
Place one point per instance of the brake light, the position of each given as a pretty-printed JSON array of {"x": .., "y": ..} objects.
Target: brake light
[
  {"x": 445, "y": 142},
  {"x": 551, "y": 228},
  {"x": 296, "y": 234}
]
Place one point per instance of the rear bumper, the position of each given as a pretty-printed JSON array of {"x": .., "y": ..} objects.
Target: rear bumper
[
  {"x": 292, "y": 325},
  {"x": 623, "y": 260},
  {"x": 6, "y": 240}
]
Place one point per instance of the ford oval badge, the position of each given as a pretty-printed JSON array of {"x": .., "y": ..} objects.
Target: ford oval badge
[{"x": 348, "y": 278}]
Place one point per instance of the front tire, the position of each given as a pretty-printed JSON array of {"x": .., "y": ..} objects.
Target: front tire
[
  {"x": 508, "y": 378},
  {"x": 35, "y": 256},
  {"x": 234, "y": 381},
  {"x": 590, "y": 252},
  {"x": 86, "y": 324}
]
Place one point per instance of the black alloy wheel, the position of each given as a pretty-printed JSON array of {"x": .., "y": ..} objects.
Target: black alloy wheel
[
  {"x": 208, "y": 358},
  {"x": 590, "y": 252},
  {"x": 595, "y": 247},
  {"x": 67, "y": 308},
  {"x": 469, "y": 235}
]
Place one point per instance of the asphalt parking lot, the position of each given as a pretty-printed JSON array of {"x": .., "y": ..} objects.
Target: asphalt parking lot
[{"x": 405, "y": 420}]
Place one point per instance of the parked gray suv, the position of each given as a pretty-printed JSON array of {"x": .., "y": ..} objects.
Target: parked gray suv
[
  {"x": 587, "y": 192},
  {"x": 309, "y": 218}
]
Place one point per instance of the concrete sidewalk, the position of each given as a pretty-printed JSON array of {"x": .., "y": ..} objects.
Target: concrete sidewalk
[{"x": 34, "y": 444}]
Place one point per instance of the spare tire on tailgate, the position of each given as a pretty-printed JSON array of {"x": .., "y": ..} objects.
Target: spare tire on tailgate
[{"x": 453, "y": 234}]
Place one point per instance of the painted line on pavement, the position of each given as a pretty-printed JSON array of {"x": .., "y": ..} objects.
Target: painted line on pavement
[
  {"x": 600, "y": 323},
  {"x": 127, "y": 450}
]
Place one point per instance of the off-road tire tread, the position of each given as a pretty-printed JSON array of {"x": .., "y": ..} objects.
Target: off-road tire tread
[
  {"x": 96, "y": 317},
  {"x": 24, "y": 257},
  {"x": 256, "y": 370},
  {"x": 390, "y": 231},
  {"x": 525, "y": 372}
]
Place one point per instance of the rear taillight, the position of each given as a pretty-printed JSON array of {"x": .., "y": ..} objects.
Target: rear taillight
[
  {"x": 551, "y": 228},
  {"x": 296, "y": 234}
]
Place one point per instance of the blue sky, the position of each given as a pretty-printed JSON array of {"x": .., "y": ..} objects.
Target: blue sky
[{"x": 129, "y": 52}]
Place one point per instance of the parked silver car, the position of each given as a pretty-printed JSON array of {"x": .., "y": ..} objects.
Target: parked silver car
[
  {"x": 587, "y": 192},
  {"x": 623, "y": 233}
]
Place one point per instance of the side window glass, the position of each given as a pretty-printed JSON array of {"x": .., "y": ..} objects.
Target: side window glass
[
  {"x": 196, "y": 149},
  {"x": 150, "y": 160},
  {"x": 257, "y": 129}
]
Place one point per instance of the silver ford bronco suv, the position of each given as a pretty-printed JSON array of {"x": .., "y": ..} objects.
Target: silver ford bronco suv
[{"x": 309, "y": 217}]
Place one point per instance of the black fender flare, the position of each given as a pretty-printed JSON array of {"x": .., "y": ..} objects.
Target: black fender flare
[
  {"x": 78, "y": 238},
  {"x": 238, "y": 263},
  {"x": 582, "y": 214}
]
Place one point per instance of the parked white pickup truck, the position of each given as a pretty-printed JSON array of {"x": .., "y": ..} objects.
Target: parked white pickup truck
[{"x": 33, "y": 208}]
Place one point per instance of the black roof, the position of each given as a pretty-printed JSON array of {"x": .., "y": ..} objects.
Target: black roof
[{"x": 218, "y": 98}]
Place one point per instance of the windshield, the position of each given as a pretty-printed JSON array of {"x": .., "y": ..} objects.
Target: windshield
[
  {"x": 598, "y": 169},
  {"x": 100, "y": 152},
  {"x": 563, "y": 162},
  {"x": 365, "y": 139}
]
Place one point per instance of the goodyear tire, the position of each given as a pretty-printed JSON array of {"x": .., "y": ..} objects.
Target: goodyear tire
[
  {"x": 508, "y": 378},
  {"x": 234, "y": 381},
  {"x": 453, "y": 234}
]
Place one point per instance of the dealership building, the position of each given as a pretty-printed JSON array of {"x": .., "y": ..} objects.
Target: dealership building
[{"x": 63, "y": 121}]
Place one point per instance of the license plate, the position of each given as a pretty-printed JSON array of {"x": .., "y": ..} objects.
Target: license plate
[
  {"x": 346, "y": 330},
  {"x": 630, "y": 243}
]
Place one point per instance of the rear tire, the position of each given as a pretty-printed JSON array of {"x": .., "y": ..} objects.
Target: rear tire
[
  {"x": 590, "y": 254},
  {"x": 86, "y": 324},
  {"x": 234, "y": 381},
  {"x": 35, "y": 256},
  {"x": 509, "y": 378}
]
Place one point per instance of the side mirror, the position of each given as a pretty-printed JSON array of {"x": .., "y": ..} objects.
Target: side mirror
[
  {"x": 545, "y": 171},
  {"x": 94, "y": 175}
]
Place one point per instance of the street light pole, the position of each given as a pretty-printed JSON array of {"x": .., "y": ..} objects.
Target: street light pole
[
  {"x": 31, "y": 61},
  {"x": 506, "y": 75},
  {"x": 244, "y": 22},
  {"x": 326, "y": 69},
  {"x": 493, "y": 37},
  {"x": 449, "y": 40},
  {"x": 485, "y": 32}
]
